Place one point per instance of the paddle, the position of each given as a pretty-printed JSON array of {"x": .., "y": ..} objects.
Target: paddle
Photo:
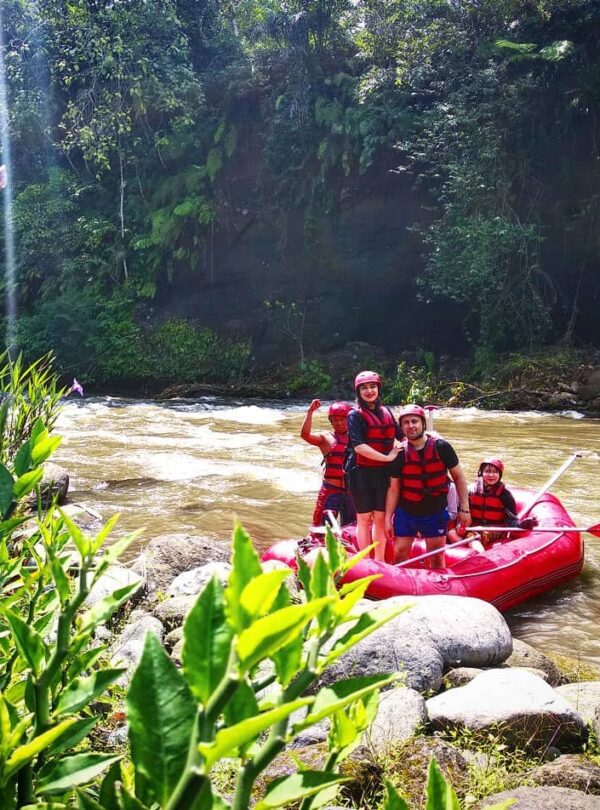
[
  {"x": 549, "y": 483},
  {"x": 595, "y": 530},
  {"x": 430, "y": 409},
  {"x": 441, "y": 550}
]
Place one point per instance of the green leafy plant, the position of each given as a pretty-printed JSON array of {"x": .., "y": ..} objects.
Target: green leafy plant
[
  {"x": 413, "y": 384},
  {"x": 250, "y": 659},
  {"x": 310, "y": 377}
]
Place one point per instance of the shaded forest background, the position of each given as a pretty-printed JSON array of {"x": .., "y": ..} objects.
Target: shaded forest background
[{"x": 203, "y": 188}]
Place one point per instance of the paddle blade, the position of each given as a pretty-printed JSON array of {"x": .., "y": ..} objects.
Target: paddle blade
[{"x": 595, "y": 530}]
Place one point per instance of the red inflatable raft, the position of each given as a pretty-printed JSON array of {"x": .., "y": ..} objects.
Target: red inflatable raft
[{"x": 508, "y": 571}]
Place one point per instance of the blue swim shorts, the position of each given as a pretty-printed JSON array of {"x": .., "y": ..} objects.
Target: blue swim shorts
[{"x": 406, "y": 525}]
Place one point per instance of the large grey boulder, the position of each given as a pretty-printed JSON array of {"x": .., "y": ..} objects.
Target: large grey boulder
[
  {"x": 167, "y": 556},
  {"x": 570, "y": 771},
  {"x": 126, "y": 650},
  {"x": 115, "y": 577},
  {"x": 516, "y": 705},
  {"x": 191, "y": 582},
  {"x": 584, "y": 697},
  {"x": 544, "y": 798},
  {"x": 54, "y": 484},
  {"x": 435, "y": 633},
  {"x": 172, "y": 612},
  {"x": 401, "y": 713},
  {"x": 524, "y": 655}
]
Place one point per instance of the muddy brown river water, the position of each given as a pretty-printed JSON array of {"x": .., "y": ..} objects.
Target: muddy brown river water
[{"x": 196, "y": 466}]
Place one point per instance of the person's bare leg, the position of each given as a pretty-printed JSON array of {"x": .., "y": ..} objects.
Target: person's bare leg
[
  {"x": 433, "y": 543},
  {"x": 379, "y": 535},
  {"x": 402, "y": 547},
  {"x": 364, "y": 521}
]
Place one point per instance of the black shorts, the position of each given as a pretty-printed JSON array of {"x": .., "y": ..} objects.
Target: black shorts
[{"x": 368, "y": 486}]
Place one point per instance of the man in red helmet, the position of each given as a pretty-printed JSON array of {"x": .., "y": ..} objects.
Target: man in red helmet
[
  {"x": 417, "y": 497},
  {"x": 373, "y": 437},
  {"x": 333, "y": 494}
]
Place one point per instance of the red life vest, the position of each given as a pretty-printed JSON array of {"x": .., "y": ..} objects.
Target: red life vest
[
  {"x": 424, "y": 474},
  {"x": 379, "y": 433},
  {"x": 486, "y": 507},
  {"x": 334, "y": 460}
]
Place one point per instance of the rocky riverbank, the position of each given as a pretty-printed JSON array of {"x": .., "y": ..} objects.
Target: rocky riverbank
[{"x": 501, "y": 718}]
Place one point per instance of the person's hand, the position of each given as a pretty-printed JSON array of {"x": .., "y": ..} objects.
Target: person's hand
[
  {"x": 528, "y": 523},
  {"x": 316, "y": 403},
  {"x": 389, "y": 528},
  {"x": 464, "y": 519}
]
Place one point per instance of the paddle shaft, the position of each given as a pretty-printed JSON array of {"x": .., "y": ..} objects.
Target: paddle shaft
[
  {"x": 435, "y": 551},
  {"x": 595, "y": 530},
  {"x": 526, "y": 509}
]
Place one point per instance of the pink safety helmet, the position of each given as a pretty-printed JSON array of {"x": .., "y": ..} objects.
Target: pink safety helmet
[
  {"x": 412, "y": 410},
  {"x": 495, "y": 462},
  {"x": 339, "y": 409},
  {"x": 366, "y": 377}
]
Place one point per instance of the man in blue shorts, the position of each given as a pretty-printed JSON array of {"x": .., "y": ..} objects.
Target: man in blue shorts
[{"x": 417, "y": 496}]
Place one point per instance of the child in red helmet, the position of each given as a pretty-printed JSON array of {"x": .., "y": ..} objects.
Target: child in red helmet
[
  {"x": 333, "y": 494},
  {"x": 491, "y": 502}
]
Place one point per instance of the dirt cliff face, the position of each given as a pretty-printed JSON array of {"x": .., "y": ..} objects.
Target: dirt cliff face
[{"x": 351, "y": 273}]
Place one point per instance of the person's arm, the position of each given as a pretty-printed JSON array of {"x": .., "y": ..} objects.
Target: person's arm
[
  {"x": 464, "y": 513},
  {"x": 320, "y": 440},
  {"x": 391, "y": 502},
  {"x": 369, "y": 452}
]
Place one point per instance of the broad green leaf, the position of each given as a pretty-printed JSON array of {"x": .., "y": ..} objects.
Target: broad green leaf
[
  {"x": 29, "y": 642},
  {"x": 242, "y": 705},
  {"x": 82, "y": 543},
  {"x": 25, "y": 753},
  {"x": 107, "y": 795},
  {"x": 22, "y": 461},
  {"x": 86, "y": 802},
  {"x": 78, "y": 732},
  {"x": 270, "y": 633},
  {"x": 84, "y": 661},
  {"x": 59, "y": 575},
  {"x": 343, "y": 607},
  {"x": 26, "y": 482},
  {"x": 80, "y": 692},
  {"x": 258, "y": 596},
  {"x": 298, "y": 786},
  {"x": 440, "y": 794},
  {"x": 228, "y": 741},
  {"x": 127, "y": 801},
  {"x": 393, "y": 800},
  {"x": 304, "y": 576},
  {"x": 71, "y": 771},
  {"x": 356, "y": 558},
  {"x": 246, "y": 566},
  {"x": 161, "y": 712},
  {"x": 104, "y": 608},
  {"x": 43, "y": 449},
  {"x": 333, "y": 698},
  {"x": 287, "y": 660},
  {"x": 321, "y": 584},
  {"x": 38, "y": 431},
  {"x": 366, "y": 624},
  {"x": 6, "y": 490},
  {"x": 348, "y": 725},
  {"x": 98, "y": 540},
  {"x": 207, "y": 641},
  {"x": 335, "y": 551},
  {"x": 114, "y": 551}
]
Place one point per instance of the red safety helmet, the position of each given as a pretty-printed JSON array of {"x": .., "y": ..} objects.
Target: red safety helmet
[
  {"x": 495, "y": 462},
  {"x": 366, "y": 377},
  {"x": 413, "y": 410},
  {"x": 339, "y": 409}
]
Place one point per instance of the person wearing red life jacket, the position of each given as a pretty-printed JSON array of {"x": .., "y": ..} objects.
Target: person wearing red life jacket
[
  {"x": 491, "y": 502},
  {"x": 333, "y": 494},
  {"x": 373, "y": 438},
  {"x": 417, "y": 497}
]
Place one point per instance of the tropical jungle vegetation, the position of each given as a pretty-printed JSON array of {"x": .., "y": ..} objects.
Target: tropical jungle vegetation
[{"x": 201, "y": 187}]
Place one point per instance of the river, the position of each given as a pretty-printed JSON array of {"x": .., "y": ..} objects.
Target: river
[{"x": 196, "y": 466}]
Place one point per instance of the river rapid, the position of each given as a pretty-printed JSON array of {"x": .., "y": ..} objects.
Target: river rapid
[{"x": 197, "y": 466}]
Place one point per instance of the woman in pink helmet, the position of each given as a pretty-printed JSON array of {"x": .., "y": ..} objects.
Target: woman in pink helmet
[
  {"x": 333, "y": 495},
  {"x": 373, "y": 438}
]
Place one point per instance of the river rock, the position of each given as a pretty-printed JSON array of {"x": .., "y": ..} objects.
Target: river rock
[
  {"x": 167, "y": 556},
  {"x": 519, "y": 707},
  {"x": 401, "y": 713},
  {"x": 114, "y": 578},
  {"x": 191, "y": 582},
  {"x": 524, "y": 655},
  {"x": 437, "y": 632},
  {"x": 590, "y": 389},
  {"x": 544, "y": 798},
  {"x": 126, "y": 650},
  {"x": 570, "y": 771},
  {"x": 54, "y": 484},
  {"x": 596, "y": 723},
  {"x": 172, "y": 638},
  {"x": 172, "y": 612},
  {"x": 584, "y": 697}
]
